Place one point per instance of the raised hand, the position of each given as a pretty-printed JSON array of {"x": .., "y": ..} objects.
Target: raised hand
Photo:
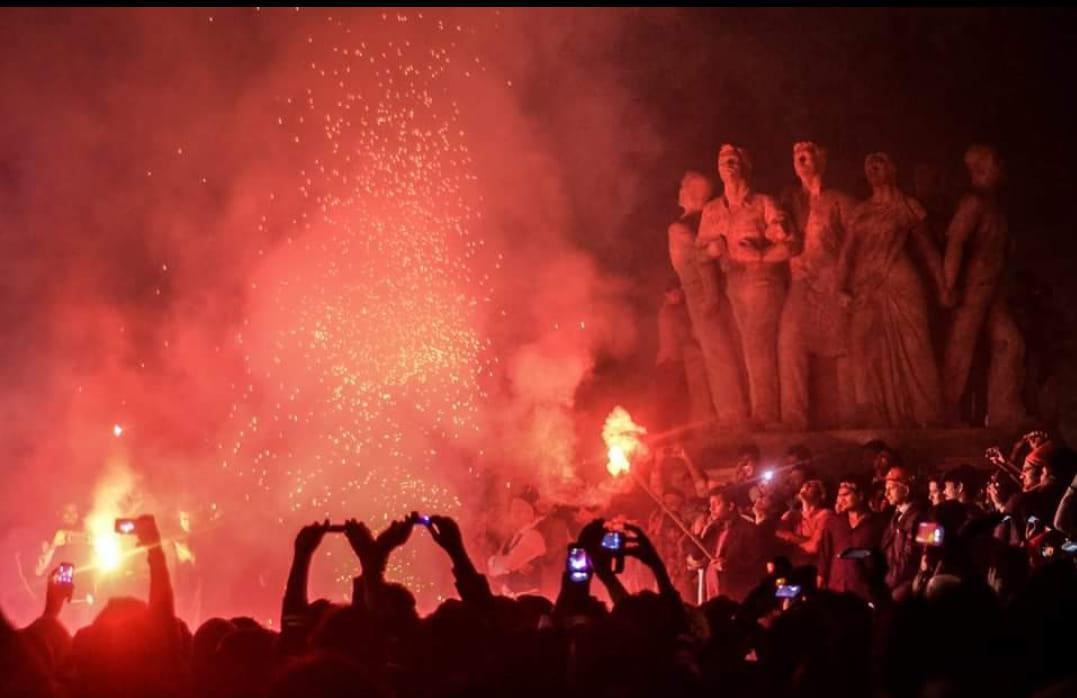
[
  {"x": 640, "y": 547},
  {"x": 310, "y": 537},
  {"x": 994, "y": 456},
  {"x": 56, "y": 593},
  {"x": 395, "y": 535},
  {"x": 590, "y": 539},
  {"x": 446, "y": 533},
  {"x": 146, "y": 530},
  {"x": 362, "y": 542}
]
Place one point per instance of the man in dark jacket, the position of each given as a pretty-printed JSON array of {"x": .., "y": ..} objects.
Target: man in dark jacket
[
  {"x": 737, "y": 564},
  {"x": 854, "y": 526},
  {"x": 899, "y": 545}
]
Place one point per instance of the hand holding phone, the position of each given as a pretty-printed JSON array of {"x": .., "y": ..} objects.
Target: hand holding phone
[
  {"x": 930, "y": 533},
  {"x": 787, "y": 591},
  {"x": 578, "y": 565},
  {"x": 126, "y": 527},
  {"x": 64, "y": 574},
  {"x": 61, "y": 587},
  {"x": 614, "y": 542}
]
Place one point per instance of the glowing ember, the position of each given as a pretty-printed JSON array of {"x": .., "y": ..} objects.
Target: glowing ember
[{"x": 623, "y": 443}]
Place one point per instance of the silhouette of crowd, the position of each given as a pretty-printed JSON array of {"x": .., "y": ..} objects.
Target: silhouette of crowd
[{"x": 867, "y": 599}]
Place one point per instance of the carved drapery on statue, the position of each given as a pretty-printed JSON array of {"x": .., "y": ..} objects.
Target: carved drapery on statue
[{"x": 775, "y": 290}]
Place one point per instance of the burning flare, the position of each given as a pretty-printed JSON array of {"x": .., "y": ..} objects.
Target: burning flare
[
  {"x": 623, "y": 443},
  {"x": 110, "y": 493}
]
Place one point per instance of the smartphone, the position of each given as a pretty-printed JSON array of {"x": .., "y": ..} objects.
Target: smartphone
[
  {"x": 1069, "y": 547},
  {"x": 125, "y": 526},
  {"x": 578, "y": 565},
  {"x": 787, "y": 591},
  {"x": 855, "y": 554},
  {"x": 335, "y": 528},
  {"x": 422, "y": 519},
  {"x": 65, "y": 573},
  {"x": 614, "y": 541},
  {"x": 930, "y": 533}
]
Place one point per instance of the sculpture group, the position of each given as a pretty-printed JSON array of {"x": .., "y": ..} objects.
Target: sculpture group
[{"x": 778, "y": 291}]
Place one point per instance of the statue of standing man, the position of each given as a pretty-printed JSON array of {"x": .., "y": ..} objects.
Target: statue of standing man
[
  {"x": 747, "y": 232},
  {"x": 814, "y": 319},
  {"x": 707, "y": 307},
  {"x": 977, "y": 245}
]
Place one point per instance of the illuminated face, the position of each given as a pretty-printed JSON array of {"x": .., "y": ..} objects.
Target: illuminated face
[
  {"x": 897, "y": 493},
  {"x": 694, "y": 192},
  {"x": 951, "y": 491},
  {"x": 934, "y": 494},
  {"x": 1030, "y": 476},
  {"x": 847, "y": 500},
  {"x": 731, "y": 166},
  {"x": 720, "y": 507},
  {"x": 879, "y": 170},
  {"x": 808, "y": 160},
  {"x": 811, "y": 494},
  {"x": 760, "y": 507}
]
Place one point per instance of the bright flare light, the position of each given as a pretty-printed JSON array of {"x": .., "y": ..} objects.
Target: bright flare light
[
  {"x": 106, "y": 547},
  {"x": 622, "y": 437},
  {"x": 117, "y": 430}
]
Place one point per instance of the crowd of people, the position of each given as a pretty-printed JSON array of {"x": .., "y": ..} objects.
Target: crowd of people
[{"x": 894, "y": 583}]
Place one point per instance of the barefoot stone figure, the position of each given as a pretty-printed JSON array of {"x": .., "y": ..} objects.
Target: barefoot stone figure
[
  {"x": 895, "y": 375},
  {"x": 977, "y": 243},
  {"x": 707, "y": 307},
  {"x": 814, "y": 319}
]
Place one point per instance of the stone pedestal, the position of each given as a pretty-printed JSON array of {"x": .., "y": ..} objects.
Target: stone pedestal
[{"x": 838, "y": 451}]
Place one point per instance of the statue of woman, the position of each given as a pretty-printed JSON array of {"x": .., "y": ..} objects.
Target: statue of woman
[{"x": 895, "y": 375}]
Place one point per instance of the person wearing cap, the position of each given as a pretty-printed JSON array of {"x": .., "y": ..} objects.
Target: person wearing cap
[
  {"x": 1047, "y": 471},
  {"x": 899, "y": 538},
  {"x": 854, "y": 525}
]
